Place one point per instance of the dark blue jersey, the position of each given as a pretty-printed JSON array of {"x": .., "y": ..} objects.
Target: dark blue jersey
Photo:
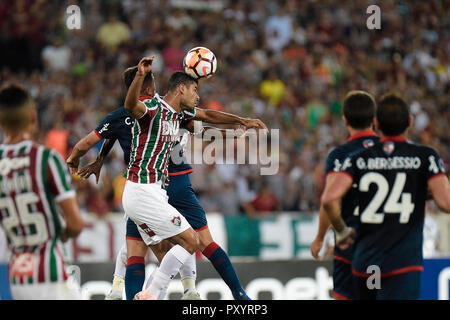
[
  {"x": 392, "y": 182},
  {"x": 118, "y": 124},
  {"x": 334, "y": 162}
]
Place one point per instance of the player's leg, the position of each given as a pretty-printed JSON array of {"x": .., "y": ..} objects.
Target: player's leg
[
  {"x": 361, "y": 290},
  {"x": 342, "y": 279},
  {"x": 118, "y": 283},
  {"x": 147, "y": 206},
  {"x": 405, "y": 286},
  {"x": 182, "y": 197}
]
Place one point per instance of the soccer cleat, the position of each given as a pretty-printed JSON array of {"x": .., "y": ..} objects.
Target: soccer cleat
[
  {"x": 144, "y": 295},
  {"x": 114, "y": 295},
  {"x": 191, "y": 295}
]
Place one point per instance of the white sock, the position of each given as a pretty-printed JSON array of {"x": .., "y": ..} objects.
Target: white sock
[
  {"x": 168, "y": 269},
  {"x": 189, "y": 268},
  {"x": 121, "y": 262}
]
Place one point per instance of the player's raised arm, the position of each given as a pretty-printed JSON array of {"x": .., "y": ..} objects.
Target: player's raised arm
[
  {"x": 331, "y": 198},
  {"x": 440, "y": 190},
  {"x": 132, "y": 104},
  {"x": 80, "y": 149},
  {"x": 220, "y": 117}
]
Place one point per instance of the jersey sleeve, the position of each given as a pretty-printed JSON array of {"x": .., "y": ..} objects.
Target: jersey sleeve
[
  {"x": 333, "y": 163},
  {"x": 152, "y": 108},
  {"x": 59, "y": 178},
  {"x": 434, "y": 165},
  {"x": 107, "y": 128},
  {"x": 349, "y": 167},
  {"x": 189, "y": 115}
]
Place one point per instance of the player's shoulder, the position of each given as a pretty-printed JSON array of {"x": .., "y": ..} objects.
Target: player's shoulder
[{"x": 118, "y": 113}]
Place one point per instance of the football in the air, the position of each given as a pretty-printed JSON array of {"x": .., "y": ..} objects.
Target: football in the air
[{"x": 200, "y": 62}]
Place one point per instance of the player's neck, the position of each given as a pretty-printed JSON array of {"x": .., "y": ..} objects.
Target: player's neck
[
  {"x": 14, "y": 138},
  {"x": 173, "y": 100},
  {"x": 356, "y": 132}
]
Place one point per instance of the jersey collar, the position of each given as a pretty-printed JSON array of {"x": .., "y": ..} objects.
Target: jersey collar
[
  {"x": 367, "y": 133},
  {"x": 168, "y": 106},
  {"x": 144, "y": 98},
  {"x": 394, "y": 139}
]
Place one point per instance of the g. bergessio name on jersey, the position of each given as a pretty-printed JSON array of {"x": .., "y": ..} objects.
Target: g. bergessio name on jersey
[{"x": 382, "y": 163}]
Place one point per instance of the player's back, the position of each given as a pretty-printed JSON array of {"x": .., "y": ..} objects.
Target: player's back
[
  {"x": 392, "y": 188},
  {"x": 32, "y": 180}
]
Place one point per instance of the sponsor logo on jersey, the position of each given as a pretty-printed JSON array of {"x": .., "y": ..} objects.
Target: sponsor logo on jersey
[
  {"x": 176, "y": 221},
  {"x": 368, "y": 143},
  {"x": 104, "y": 128},
  {"x": 388, "y": 147},
  {"x": 147, "y": 230}
]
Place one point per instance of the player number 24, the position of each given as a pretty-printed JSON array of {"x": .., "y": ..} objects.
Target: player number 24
[{"x": 397, "y": 202}]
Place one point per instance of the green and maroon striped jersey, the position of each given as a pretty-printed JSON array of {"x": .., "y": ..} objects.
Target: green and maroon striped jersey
[
  {"x": 33, "y": 179},
  {"x": 153, "y": 136}
]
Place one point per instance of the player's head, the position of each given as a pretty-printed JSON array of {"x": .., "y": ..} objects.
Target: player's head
[
  {"x": 186, "y": 87},
  {"x": 358, "y": 109},
  {"x": 17, "y": 110},
  {"x": 148, "y": 87},
  {"x": 393, "y": 116}
]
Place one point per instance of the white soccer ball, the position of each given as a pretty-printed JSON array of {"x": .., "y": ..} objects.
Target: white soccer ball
[{"x": 200, "y": 62}]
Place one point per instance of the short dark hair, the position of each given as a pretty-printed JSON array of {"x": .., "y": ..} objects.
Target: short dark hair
[
  {"x": 359, "y": 109},
  {"x": 179, "y": 77},
  {"x": 392, "y": 114},
  {"x": 14, "y": 100},
  {"x": 129, "y": 74}
]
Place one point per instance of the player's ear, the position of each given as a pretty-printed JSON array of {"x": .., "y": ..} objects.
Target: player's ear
[
  {"x": 410, "y": 121},
  {"x": 376, "y": 124},
  {"x": 345, "y": 120}
]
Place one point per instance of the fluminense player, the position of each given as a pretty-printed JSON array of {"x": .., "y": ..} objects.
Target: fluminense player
[
  {"x": 144, "y": 198},
  {"x": 118, "y": 125},
  {"x": 392, "y": 182},
  {"x": 358, "y": 112},
  {"x": 34, "y": 185}
]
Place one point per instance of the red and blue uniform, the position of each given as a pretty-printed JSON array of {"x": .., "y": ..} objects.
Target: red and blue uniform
[{"x": 342, "y": 270}]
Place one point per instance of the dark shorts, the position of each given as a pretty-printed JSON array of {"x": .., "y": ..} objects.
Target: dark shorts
[
  {"x": 405, "y": 286},
  {"x": 342, "y": 279},
  {"x": 181, "y": 197}
]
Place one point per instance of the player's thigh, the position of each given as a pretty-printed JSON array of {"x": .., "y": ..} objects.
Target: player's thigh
[
  {"x": 361, "y": 290},
  {"x": 188, "y": 239},
  {"x": 182, "y": 197},
  {"x": 404, "y": 286},
  {"x": 342, "y": 280}
]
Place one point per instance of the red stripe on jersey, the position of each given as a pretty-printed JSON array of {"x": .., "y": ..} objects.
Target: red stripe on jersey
[
  {"x": 344, "y": 260},
  {"x": 41, "y": 270},
  {"x": 157, "y": 150},
  {"x": 393, "y": 138},
  {"x": 436, "y": 175},
  {"x": 368, "y": 133},
  {"x": 390, "y": 273},
  {"x": 144, "y": 123},
  {"x": 339, "y": 296},
  {"x": 181, "y": 172},
  {"x": 98, "y": 134}
]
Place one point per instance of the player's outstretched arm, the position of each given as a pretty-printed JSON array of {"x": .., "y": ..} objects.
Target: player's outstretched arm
[
  {"x": 132, "y": 104},
  {"x": 331, "y": 199},
  {"x": 72, "y": 216},
  {"x": 80, "y": 149},
  {"x": 220, "y": 117},
  {"x": 96, "y": 166},
  {"x": 440, "y": 190}
]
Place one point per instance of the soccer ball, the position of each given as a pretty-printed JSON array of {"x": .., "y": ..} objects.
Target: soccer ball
[{"x": 200, "y": 62}]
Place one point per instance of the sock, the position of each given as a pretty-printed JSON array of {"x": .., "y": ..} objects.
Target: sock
[
  {"x": 188, "y": 273},
  {"x": 118, "y": 284},
  {"x": 163, "y": 290},
  {"x": 222, "y": 264},
  {"x": 168, "y": 269},
  {"x": 121, "y": 261},
  {"x": 134, "y": 276}
]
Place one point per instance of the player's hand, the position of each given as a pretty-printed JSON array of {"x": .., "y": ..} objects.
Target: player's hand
[
  {"x": 315, "y": 248},
  {"x": 92, "y": 168},
  {"x": 347, "y": 240},
  {"x": 73, "y": 164},
  {"x": 254, "y": 123},
  {"x": 145, "y": 65}
]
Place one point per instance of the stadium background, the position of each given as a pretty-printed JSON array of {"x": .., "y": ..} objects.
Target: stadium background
[{"x": 288, "y": 63}]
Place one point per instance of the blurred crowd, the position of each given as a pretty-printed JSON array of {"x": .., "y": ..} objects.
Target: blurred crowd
[{"x": 289, "y": 63}]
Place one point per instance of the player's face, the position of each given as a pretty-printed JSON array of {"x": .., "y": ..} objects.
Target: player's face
[{"x": 190, "y": 96}]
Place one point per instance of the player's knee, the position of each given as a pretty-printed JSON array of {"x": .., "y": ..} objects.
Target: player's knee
[{"x": 192, "y": 242}]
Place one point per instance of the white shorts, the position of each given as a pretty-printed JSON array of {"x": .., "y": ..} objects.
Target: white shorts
[
  {"x": 147, "y": 205},
  {"x": 46, "y": 291}
]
